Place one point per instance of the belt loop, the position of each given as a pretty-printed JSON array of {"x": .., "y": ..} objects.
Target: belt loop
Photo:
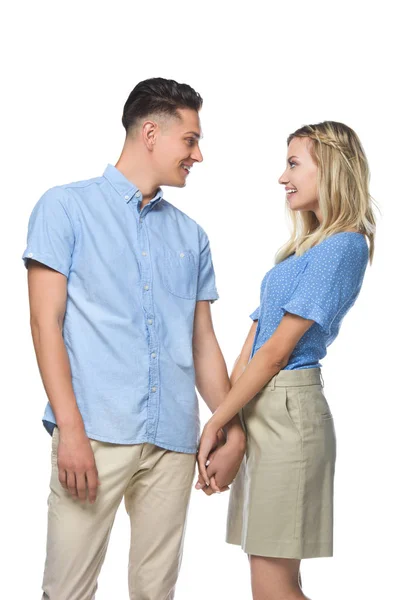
[
  {"x": 271, "y": 383},
  {"x": 322, "y": 379}
]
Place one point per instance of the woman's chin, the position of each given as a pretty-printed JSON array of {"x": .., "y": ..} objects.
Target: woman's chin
[{"x": 295, "y": 205}]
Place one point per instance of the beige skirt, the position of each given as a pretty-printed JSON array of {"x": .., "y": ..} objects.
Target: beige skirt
[{"x": 281, "y": 503}]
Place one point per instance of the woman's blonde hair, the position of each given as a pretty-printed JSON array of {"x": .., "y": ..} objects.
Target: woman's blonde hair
[{"x": 343, "y": 189}]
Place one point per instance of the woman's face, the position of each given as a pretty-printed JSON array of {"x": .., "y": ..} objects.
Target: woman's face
[{"x": 300, "y": 177}]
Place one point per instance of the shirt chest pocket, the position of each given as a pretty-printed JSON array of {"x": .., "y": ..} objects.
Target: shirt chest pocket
[{"x": 179, "y": 273}]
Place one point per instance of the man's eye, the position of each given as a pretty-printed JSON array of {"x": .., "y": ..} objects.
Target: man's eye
[{"x": 191, "y": 141}]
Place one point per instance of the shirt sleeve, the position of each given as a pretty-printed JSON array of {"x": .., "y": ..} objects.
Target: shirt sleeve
[
  {"x": 255, "y": 315},
  {"x": 206, "y": 289},
  {"x": 50, "y": 234},
  {"x": 331, "y": 276}
]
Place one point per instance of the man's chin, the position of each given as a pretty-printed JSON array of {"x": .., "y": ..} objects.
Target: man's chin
[{"x": 177, "y": 183}]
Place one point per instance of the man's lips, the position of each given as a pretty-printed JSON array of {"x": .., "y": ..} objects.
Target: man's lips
[{"x": 186, "y": 168}]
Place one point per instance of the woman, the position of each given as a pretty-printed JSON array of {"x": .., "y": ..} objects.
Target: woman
[{"x": 281, "y": 503}]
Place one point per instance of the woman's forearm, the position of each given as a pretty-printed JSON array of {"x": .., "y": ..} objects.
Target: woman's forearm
[
  {"x": 273, "y": 356},
  {"x": 238, "y": 369},
  {"x": 244, "y": 357},
  {"x": 257, "y": 373}
]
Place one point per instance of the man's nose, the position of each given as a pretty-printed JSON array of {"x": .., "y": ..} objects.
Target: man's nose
[{"x": 197, "y": 155}]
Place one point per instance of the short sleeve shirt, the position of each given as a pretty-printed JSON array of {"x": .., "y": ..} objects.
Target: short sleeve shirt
[
  {"x": 134, "y": 276},
  {"x": 321, "y": 285}
]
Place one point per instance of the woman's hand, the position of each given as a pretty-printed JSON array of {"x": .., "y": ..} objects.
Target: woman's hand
[
  {"x": 209, "y": 490},
  {"x": 208, "y": 442}
]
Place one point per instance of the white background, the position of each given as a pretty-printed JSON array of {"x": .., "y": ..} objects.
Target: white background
[{"x": 263, "y": 71}]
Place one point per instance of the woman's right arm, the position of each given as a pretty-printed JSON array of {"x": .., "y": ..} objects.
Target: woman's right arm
[{"x": 244, "y": 357}]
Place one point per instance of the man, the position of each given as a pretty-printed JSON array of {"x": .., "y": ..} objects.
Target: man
[{"x": 120, "y": 285}]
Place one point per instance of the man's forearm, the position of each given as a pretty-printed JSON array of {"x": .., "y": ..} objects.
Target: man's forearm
[
  {"x": 213, "y": 382},
  {"x": 55, "y": 371}
]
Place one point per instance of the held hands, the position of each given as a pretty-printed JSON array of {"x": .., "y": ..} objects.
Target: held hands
[
  {"x": 212, "y": 487},
  {"x": 218, "y": 462},
  {"x": 77, "y": 470}
]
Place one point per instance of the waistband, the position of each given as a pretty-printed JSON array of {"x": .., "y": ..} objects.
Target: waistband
[{"x": 296, "y": 378}]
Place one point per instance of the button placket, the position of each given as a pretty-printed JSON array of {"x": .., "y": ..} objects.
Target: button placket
[{"x": 153, "y": 346}]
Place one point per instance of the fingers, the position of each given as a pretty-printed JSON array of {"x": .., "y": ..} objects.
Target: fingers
[
  {"x": 201, "y": 461},
  {"x": 62, "y": 478},
  {"x": 213, "y": 485},
  {"x": 71, "y": 484},
  {"x": 81, "y": 486},
  {"x": 200, "y": 483},
  {"x": 208, "y": 491},
  {"x": 92, "y": 483}
]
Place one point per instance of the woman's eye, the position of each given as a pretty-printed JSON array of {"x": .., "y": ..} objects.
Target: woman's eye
[{"x": 292, "y": 164}]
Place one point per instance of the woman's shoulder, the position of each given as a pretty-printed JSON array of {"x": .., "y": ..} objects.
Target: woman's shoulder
[{"x": 346, "y": 244}]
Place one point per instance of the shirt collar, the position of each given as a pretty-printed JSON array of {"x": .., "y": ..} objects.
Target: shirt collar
[{"x": 125, "y": 188}]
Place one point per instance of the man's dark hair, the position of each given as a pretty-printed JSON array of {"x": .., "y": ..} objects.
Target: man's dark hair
[{"x": 158, "y": 95}]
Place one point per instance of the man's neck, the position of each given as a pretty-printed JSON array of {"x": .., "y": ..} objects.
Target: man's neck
[{"x": 138, "y": 172}]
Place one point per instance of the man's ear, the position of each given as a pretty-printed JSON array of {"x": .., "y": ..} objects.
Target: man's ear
[{"x": 149, "y": 134}]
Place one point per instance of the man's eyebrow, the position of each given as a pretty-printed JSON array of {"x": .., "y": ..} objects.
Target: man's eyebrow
[{"x": 195, "y": 133}]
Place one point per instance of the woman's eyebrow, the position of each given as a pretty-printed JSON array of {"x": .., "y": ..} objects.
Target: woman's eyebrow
[{"x": 290, "y": 158}]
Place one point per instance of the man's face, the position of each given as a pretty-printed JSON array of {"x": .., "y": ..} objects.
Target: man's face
[{"x": 177, "y": 148}]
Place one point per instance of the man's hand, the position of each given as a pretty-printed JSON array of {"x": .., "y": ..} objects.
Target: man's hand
[
  {"x": 77, "y": 471},
  {"x": 225, "y": 463}
]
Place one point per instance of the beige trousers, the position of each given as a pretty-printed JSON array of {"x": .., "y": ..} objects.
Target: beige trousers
[{"x": 156, "y": 485}]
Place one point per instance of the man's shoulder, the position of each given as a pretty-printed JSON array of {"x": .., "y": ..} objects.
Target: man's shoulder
[
  {"x": 66, "y": 193},
  {"x": 82, "y": 185},
  {"x": 62, "y": 200}
]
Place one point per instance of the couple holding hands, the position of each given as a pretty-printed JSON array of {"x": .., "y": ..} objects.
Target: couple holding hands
[{"x": 120, "y": 285}]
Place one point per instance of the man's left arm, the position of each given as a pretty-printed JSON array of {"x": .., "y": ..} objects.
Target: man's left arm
[{"x": 212, "y": 382}]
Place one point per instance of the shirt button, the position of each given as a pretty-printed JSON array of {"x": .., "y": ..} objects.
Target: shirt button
[
  {"x": 141, "y": 220},
  {"x": 182, "y": 254},
  {"x": 146, "y": 287},
  {"x": 153, "y": 355},
  {"x": 153, "y": 389},
  {"x": 30, "y": 254},
  {"x": 137, "y": 194},
  {"x": 150, "y": 321},
  {"x": 126, "y": 197},
  {"x": 144, "y": 253}
]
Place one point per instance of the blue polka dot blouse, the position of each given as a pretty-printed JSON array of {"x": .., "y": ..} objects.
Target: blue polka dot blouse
[{"x": 321, "y": 285}]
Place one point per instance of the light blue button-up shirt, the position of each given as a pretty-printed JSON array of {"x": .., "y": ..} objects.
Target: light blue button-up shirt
[{"x": 134, "y": 276}]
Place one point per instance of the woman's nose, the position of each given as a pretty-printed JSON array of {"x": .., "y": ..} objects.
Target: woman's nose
[{"x": 283, "y": 178}]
